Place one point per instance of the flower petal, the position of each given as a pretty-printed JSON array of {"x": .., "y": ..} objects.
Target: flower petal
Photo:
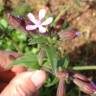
[
  {"x": 32, "y": 18},
  {"x": 42, "y": 13},
  {"x": 47, "y": 21},
  {"x": 31, "y": 27},
  {"x": 42, "y": 29}
]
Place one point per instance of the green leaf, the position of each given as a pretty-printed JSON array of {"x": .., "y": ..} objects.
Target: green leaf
[
  {"x": 1, "y": 27},
  {"x": 19, "y": 36},
  {"x": 4, "y": 23},
  {"x": 66, "y": 61},
  {"x": 51, "y": 53},
  {"x": 50, "y": 83},
  {"x": 38, "y": 40},
  {"x": 29, "y": 60},
  {"x": 63, "y": 62}
]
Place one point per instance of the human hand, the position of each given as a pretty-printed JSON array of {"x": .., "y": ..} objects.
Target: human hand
[{"x": 24, "y": 83}]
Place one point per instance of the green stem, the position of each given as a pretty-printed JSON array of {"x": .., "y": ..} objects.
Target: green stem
[{"x": 84, "y": 68}]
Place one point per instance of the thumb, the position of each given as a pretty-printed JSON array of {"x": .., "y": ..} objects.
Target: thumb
[{"x": 25, "y": 84}]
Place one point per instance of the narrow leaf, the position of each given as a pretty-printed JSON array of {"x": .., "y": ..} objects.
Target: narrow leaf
[
  {"x": 66, "y": 61},
  {"x": 38, "y": 39},
  {"x": 52, "y": 57},
  {"x": 29, "y": 60}
]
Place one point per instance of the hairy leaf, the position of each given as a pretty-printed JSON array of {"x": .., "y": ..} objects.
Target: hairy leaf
[
  {"x": 38, "y": 40},
  {"x": 29, "y": 60},
  {"x": 52, "y": 57}
]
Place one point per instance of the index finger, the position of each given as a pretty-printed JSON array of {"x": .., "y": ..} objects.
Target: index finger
[{"x": 6, "y": 58}]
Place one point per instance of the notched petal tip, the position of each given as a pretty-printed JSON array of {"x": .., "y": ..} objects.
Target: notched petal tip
[{"x": 47, "y": 21}]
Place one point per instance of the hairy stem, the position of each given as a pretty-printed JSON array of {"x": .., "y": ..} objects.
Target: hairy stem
[
  {"x": 61, "y": 88},
  {"x": 84, "y": 68}
]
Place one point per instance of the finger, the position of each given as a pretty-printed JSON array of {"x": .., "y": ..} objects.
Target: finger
[
  {"x": 25, "y": 84},
  {"x": 18, "y": 69},
  {"x": 6, "y": 58}
]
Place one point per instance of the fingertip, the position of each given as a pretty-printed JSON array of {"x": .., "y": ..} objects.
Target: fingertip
[
  {"x": 38, "y": 78},
  {"x": 18, "y": 69}
]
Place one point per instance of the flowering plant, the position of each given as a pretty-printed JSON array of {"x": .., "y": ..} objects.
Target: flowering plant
[{"x": 44, "y": 52}]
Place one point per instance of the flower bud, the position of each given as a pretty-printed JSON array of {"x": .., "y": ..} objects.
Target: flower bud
[
  {"x": 81, "y": 77},
  {"x": 61, "y": 88},
  {"x": 69, "y": 35},
  {"x": 16, "y": 21},
  {"x": 87, "y": 88}
]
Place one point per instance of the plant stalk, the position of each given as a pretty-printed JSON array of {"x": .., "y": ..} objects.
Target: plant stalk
[{"x": 76, "y": 68}]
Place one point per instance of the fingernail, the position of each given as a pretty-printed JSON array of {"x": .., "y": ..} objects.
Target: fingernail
[{"x": 38, "y": 78}]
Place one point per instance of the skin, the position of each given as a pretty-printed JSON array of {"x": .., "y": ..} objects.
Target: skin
[{"x": 18, "y": 81}]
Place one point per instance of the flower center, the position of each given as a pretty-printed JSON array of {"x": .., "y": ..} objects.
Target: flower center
[{"x": 38, "y": 23}]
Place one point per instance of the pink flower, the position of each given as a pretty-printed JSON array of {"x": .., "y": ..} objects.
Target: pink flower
[{"x": 39, "y": 23}]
